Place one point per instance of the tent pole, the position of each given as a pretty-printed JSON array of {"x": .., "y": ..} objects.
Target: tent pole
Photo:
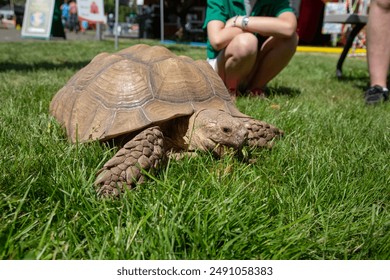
[
  {"x": 162, "y": 19},
  {"x": 116, "y": 23}
]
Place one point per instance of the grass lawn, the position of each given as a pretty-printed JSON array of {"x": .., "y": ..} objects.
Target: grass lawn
[{"x": 323, "y": 192}]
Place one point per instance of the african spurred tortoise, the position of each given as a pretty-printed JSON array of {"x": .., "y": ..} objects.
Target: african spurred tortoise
[{"x": 155, "y": 102}]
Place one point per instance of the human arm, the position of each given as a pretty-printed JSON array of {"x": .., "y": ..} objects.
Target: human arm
[
  {"x": 220, "y": 34},
  {"x": 282, "y": 26}
]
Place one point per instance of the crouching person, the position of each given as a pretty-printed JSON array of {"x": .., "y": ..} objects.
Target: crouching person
[{"x": 250, "y": 42}]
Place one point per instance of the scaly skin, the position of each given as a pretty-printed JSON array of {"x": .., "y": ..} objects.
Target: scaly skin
[
  {"x": 260, "y": 133},
  {"x": 208, "y": 130},
  {"x": 144, "y": 151}
]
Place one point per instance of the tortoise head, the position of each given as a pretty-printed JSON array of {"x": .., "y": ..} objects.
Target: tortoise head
[{"x": 215, "y": 130}]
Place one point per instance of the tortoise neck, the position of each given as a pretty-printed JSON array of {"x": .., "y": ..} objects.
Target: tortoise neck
[{"x": 174, "y": 133}]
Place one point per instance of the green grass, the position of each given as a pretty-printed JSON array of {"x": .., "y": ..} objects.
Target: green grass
[{"x": 323, "y": 192}]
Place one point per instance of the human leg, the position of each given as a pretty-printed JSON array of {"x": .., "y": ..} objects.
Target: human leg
[
  {"x": 238, "y": 59},
  {"x": 273, "y": 57},
  {"x": 378, "y": 41},
  {"x": 378, "y": 51}
]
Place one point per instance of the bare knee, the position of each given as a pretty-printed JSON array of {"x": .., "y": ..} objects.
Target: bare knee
[
  {"x": 243, "y": 46},
  {"x": 288, "y": 44}
]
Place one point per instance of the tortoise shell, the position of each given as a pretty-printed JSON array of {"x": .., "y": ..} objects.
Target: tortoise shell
[{"x": 132, "y": 89}]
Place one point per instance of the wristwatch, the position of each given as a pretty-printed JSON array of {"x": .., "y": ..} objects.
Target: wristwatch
[{"x": 245, "y": 21}]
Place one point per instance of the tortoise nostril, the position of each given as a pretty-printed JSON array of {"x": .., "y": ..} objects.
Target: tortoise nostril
[{"x": 226, "y": 129}]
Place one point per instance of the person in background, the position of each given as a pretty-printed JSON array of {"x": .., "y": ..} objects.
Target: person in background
[
  {"x": 73, "y": 18},
  {"x": 111, "y": 23},
  {"x": 378, "y": 51},
  {"x": 249, "y": 42},
  {"x": 84, "y": 26},
  {"x": 65, "y": 13}
]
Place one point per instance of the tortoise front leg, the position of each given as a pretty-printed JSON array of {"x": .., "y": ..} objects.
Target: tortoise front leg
[
  {"x": 260, "y": 133},
  {"x": 144, "y": 151}
]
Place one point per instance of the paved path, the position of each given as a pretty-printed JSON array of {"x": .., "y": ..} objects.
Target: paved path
[{"x": 13, "y": 35}]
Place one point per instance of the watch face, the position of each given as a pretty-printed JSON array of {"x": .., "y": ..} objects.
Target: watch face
[{"x": 245, "y": 22}]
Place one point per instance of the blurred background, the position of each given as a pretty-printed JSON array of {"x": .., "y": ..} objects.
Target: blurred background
[{"x": 183, "y": 20}]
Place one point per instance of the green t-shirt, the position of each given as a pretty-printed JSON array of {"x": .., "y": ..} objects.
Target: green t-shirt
[{"x": 225, "y": 9}]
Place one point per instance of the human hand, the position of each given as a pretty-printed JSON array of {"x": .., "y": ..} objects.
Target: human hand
[{"x": 234, "y": 22}]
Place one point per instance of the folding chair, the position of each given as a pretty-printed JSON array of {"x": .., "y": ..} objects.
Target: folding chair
[{"x": 357, "y": 15}]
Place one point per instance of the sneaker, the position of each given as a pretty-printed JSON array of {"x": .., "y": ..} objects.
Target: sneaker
[
  {"x": 376, "y": 94},
  {"x": 385, "y": 95}
]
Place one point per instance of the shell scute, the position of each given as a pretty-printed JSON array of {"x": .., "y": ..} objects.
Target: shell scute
[{"x": 134, "y": 88}]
